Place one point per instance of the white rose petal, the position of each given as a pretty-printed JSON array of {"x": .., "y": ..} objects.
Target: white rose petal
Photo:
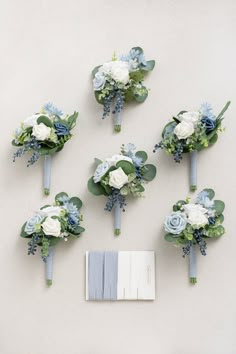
[
  {"x": 51, "y": 211},
  {"x": 190, "y": 117},
  {"x": 112, "y": 161},
  {"x": 194, "y": 207},
  {"x": 118, "y": 70},
  {"x": 31, "y": 121},
  {"x": 197, "y": 219},
  {"x": 41, "y": 131},
  {"x": 51, "y": 227},
  {"x": 184, "y": 129},
  {"x": 117, "y": 178}
]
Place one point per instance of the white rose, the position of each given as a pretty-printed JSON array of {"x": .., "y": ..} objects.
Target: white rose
[
  {"x": 197, "y": 219},
  {"x": 112, "y": 161},
  {"x": 190, "y": 117},
  {"x": 118, "y": 70},
  {"x": 117, "y": 178},
  {"x": 51, "y": 227},
  {"x": 41, "y": 131},
  {"x": 31, "y": 121},
  {"x": 188, "y": 208},
  {"x": 184, "y": 129},
  {"x": 51, "y": 211}
]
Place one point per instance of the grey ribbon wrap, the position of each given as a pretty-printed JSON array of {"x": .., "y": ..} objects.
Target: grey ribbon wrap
[
  {"x": 102, "y": 275},
  {"x": 117, "y": 118},
  {"x": 49, "y": 265},
  {"x": 117, "y": 216},
  {"x": 192, "y": 263},
  {"x": 47, "y": 172},
  {"x": 193, "y": 170}
]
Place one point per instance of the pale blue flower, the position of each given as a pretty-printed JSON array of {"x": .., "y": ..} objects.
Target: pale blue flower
[
  {"x": 129, "y": 150},
  {"x": 99, "y": 81},
  {"x": 31, "y": 225},
  {"x": 175, "y": 223},
  {"x": 203, "y": 199},
  {"x": 100, "y": 171},
  {"x": 52, "y": 110},
  {"x": 72, "y": 209},
  {"x": 207, "y": 111}
]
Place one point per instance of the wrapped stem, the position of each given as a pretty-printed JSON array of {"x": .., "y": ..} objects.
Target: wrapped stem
[
  {"x": 117, "y": 119},
  {"x": 192, "y": 265},
  {"x": 47, "y": 174},
  {"x": 117, "y": 218},
  {"x": 193, "y": 170},
  {"x": 49, "y": 266}
]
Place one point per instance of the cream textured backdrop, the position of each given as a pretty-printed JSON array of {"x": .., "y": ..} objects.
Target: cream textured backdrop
[{"x": 48, "y": 49}]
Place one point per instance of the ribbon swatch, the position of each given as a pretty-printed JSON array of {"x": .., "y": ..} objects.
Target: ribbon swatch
[{"x": 126, "y": 275}]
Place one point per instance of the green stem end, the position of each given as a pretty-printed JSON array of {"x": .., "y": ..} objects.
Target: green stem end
[
  {"x": 193, "y": 280},
  {"x": 46, "y": 191},
  {"x": 117, "y": 128},
  {"x": 49, "y": 282},
  {"x": 193, "y": 188},
  {"x": 117, "y": 232}
]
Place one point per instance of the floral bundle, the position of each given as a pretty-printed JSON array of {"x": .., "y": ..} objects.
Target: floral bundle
[
  {"x": 192, "y": 224},
  {"x": 121, "y": 80},
  {"x": 119, "y": 176},
  {"x": 191, "y": 132},
  {"x": 52, "y": 224},
  {"x": 44, "y": 134}
]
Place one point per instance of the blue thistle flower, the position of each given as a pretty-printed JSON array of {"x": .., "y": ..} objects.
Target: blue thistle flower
[
  {"x": 61, "y": 129},
  {"x": 50, "y": 109}
]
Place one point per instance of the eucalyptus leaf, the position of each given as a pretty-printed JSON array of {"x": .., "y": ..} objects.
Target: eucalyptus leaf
[
  {"x": 76, "y": 201},
  {"x": 150, "y": 64},
  {"x": 141, "y": 98},
  {"x": 170, "y": 238},
  {"x": 149, "y": 172},
  {"x": 77, "y": 230},
  {"x": 210, "y": 192},
  {"x": 45, "y": 120},
  {"x": 97, "y": 161},
  {"x": 219, "y": 206},
  {"x": 95, "y": 70},
  {"x": 126, "y": 166},
  {"x": 95, "y": 188},
  {"x": 142, "y": 155},
  {"x": 60, "y": 195},
  {"x": 23, "y": 233}
]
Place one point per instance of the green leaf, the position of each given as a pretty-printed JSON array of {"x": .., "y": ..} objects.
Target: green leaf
[
  {"x": 139, "y": 188},
  {"x": 126, "y": 166},
  {"x": 106, "y": 187},
  {"x": 23, "y": 233},
  {"x": 97, "y": 96},
  {"x": 179, "y": 205},
  {"x": 72, "y": 120},
  {"x": 216, "y": 231},
  {"x": 14, "y": 143},
  {"x": 168, "y": 129},
  {"x": 210, "y": 192},
  {"x": 142, "y": 155},
  {"x": 95, "y": 70},
  {"x": 220, "y": 115},
  {"x": 97, "y": 161},
  {"x": 149, "y": 172},
  {"x": 170, "y": 238},
  {"x": 141, "y": 98},
  {"x": 220, "y": 219},
  {"x": 124, "y": 190},
  {"x": 213, "y": 139},
  {"x": 219, "y": 206},
  {"x": 45, "y": 120},
  {"x": 129, "y": 95},
  {"x": 77, "y": 231},
  {"x": 95, "y": 188},
  {"x": 150, "y": 65},
  {"x": 54, "y": 240},
  {"x": 60, "y": 195},
  {"x": 137, "y": 75},
  {"x": 138, "y": 49},
  {"x": 76, "y": 201}
]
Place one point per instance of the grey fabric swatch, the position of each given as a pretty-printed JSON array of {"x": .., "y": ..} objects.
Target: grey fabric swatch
[
  {"x": 110, "y": 275},
  {"x": 95, "y": 275}
]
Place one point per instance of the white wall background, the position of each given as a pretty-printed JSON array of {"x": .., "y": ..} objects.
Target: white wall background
[{"x": 48, "y": 49}]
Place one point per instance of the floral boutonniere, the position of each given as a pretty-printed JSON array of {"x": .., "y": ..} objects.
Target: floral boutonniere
[
  {"x": 192, "y": 224},
  {"x": 119, "y": 176},
  {"x": 52, "y": 224},
  {"x": 121, "y": 80},
  {"x": 191, "y": 132},
  {"x": 44, "y": 134}
]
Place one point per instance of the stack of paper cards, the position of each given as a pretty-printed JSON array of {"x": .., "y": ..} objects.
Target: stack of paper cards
[{"x": 122, "y": 275}]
